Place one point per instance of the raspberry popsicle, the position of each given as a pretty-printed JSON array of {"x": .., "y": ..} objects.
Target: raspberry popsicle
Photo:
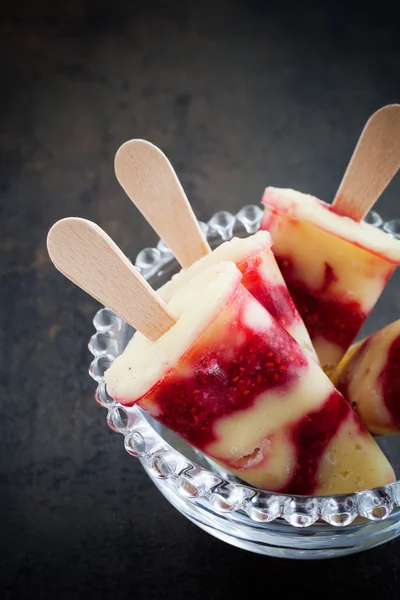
[
  {"x": 369, "y": 378},
  {"x": 260, "y": 276},
  {"x": 335, "y": 268},
  {"x": 232, "y": 382},
  {"x": 151, "y": 183}
]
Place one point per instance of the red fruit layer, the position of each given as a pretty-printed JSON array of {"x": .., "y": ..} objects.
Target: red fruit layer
[
  {"x": 390, "y": 381},
  {"x": 336, "y": 320},
  {"x": 274, "y": 297},
  {"x": 222, "y": 384},
  {"x": 311, "y": 435}
]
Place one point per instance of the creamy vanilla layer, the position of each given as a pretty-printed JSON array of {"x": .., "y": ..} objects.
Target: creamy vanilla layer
[
  {"x": 351, "y": 462},
  {"x": 309, "y": 209},
  {"x": 369, "y": 377},
  {"x": 271, "y": 465},
  {"x": 195, "y": 306},
  {"x": 261, "y": 276}
]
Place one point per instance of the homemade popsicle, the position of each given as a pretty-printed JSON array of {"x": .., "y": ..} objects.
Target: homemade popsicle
[
  {"x": 335, "y": 268},
  {"x": 232, "y": 382},
  {"x": 260, "y": 275},
  {"x": 369, "y": 378}
]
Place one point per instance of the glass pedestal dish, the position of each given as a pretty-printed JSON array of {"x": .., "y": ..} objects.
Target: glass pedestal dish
[{"x": 263, "y": 522}]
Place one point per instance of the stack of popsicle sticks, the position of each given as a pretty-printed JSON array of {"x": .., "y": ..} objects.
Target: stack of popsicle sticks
[
  {"x": 87, "y": 256},
  {"x": 84, "y": 253}
]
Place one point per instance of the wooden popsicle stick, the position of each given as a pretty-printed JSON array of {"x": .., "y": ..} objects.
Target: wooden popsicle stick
[
  {"x": 85, "y": 254},
  {"x": 150, "y": 181},
  {"x": 375, "y": 161}
]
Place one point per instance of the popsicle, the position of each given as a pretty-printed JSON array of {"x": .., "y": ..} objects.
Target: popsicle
[
  {"x": 232, "y": 382},
  {"x": 335, "y": 267},
  {"x": 150, "y": 181},
  {"x": 260, "y": 276},
  {"x": 369, "y": 378}
]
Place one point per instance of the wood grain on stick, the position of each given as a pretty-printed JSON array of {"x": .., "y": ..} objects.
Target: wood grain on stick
[
  {"x": 150, "y": 181},
  {"x": 375, "y": 161},
  {"x": 85, "y": 254}
]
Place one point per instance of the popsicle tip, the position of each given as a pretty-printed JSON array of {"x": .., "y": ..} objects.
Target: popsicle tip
[
  {"x": 54, "y": 230},
  {"x": 65, "y": 221},
  {"x": 130, "y": 148},
  {"x": 136, "y": 161},
  {"x": 390, "y": 112},
  {"x": 58, "y": 229},
  {"x": 387, "y": 108}
]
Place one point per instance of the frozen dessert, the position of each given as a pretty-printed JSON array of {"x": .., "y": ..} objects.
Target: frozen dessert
[
  {"x": 335, "y": 268},
  {"x": 369, "y": 378},
  {"x": 260, "y": 275},
  {"x": 232, "y": 382}
]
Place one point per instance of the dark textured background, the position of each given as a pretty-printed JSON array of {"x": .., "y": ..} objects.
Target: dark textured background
[{"x": 239, "y": 94}]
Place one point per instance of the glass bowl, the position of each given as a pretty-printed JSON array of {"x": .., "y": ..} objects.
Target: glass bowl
[{"x": 263, "y": 522}]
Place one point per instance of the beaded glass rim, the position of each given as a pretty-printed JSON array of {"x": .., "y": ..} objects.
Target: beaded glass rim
[{"x": 191, "y": 481}]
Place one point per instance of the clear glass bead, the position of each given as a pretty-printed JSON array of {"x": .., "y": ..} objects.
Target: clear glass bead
[
  {"x": 339, "y": 512},
  {"x": 301, "y": 512},
  {"x": 373, "y": 218},
  {"x": 162, "y": 464},
  {"x": 104, "y": 319},
  {"x": 393, "y": 228},
  {"x": 226, "y": 498},
  {"x": 118, "y": 419},
  {"x": 99, "y": 366},
  {"x": 188, "y": 487},
  {"x": 375, "y": 505},
  {"x": 135, "y": 444},
  {"x": 147, "y": 260},
  {"x": 194, "y": 481},
  {"x": 396, "y": 493},
  {"x": 223, "y": 223},
  {"x": 264, "y": 509},
  {"x": 250, "y": 216},
  {"x": 102, "y": 397},
  {"x": 163, "y": 248},
  {"x": 103, "y": 343}
]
